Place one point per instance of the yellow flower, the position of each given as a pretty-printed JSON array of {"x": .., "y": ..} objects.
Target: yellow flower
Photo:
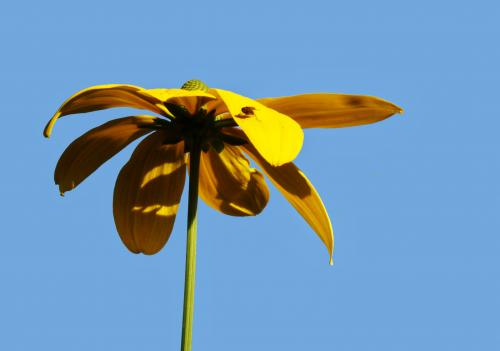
[{"x": 228, "y": 126}]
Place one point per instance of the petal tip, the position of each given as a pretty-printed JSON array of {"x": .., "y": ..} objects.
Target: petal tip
[
  {"x": 133, "y": 250},
  {"x": 47, "y": 131},
  {"x": 63, "y": 189}
]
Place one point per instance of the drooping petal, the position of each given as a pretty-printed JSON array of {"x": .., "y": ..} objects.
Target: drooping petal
[
  {"x": 147, "y": 193},
  {"x": 87, "y": 153},
  {"x": 299, "y": 191},
  {"x": 229, "y": 185},
  {"x": 101, "y": 97},
  {"x": 332, "y": 110},
  {"x": 277, "y": 137},
  {"x": 190, "y": 99}
]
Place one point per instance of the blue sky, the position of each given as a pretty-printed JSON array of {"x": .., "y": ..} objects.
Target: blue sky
[{"x": 414, "y": 200}]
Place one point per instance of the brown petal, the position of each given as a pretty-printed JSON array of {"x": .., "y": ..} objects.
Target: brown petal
[
  {"x": 87, "y": 153},
  {"x": 147, "y": 193},
  {"x": 332, "y": 110},
  {"x": 101, "y": 97},
  {"x": 298, "y": 190},
  {"x": 229, "y": 185}
]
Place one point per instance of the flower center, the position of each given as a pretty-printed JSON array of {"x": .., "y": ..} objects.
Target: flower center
[
  {"x": 202, "y": 127},
  {"x": 195, "y": 84}
]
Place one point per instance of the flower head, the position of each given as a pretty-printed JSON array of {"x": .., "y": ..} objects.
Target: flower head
[{"x": 228, "y": 126}]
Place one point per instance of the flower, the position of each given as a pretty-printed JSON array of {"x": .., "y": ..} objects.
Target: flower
[{"x": 228, "y": 126}]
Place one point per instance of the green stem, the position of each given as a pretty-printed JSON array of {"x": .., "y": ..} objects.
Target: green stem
[{"x": 189, "y": 282}]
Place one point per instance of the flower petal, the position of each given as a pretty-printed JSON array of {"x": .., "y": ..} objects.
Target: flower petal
[
  {"x": 101, "y": 97},
  {"x": 87, "y": 153},
  {"x": 147, "y": 193},
  {"x": 229, "y": 185},
  {"x": 299, "y": 191},
  {"x": 332, "y": 110},
  {"x": 217, "y": 104},
  {"x": 190, "y": 99},
  {"x": 277, "y": 137}
]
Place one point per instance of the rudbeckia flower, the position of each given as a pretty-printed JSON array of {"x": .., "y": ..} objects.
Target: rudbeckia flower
[
  {"x": 208, "y": 131},
  {"x": 228, "y": 127}
]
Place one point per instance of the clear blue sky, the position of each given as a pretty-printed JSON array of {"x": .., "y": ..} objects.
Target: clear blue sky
[{"x": 414, "y": 200}]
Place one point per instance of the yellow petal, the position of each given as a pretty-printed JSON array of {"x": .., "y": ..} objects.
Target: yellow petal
[
  {"x": 299, "y": 191},
  {"x": 87, "y": 153},
  {"x": 147, "y": 193},
  {"x": 217, "y": 104},
  {"x": 332, "y": 110},
  {"x": 229, "y": 185},
  {"x": 101, "y": 97},
  {"x": 191, "y": 99},
  {"x": 277, "y": 137}
]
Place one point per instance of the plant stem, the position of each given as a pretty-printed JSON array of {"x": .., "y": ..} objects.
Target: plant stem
[{"x": 189, "y": 282}]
